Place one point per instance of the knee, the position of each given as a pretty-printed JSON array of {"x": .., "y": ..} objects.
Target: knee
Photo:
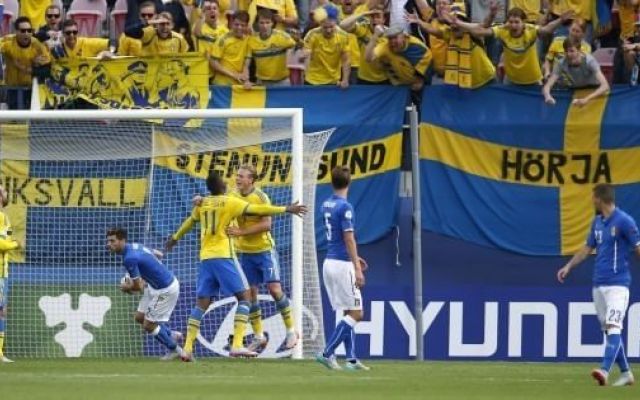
[
  {"x": 275, "y": 290},
  {"x": 244, "y": 296}
]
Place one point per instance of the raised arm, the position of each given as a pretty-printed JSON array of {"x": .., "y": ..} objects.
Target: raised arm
[
  {"x": 349, "y": 24},
  {"x": 477, "y": 30},
  {"x": 268, "y": 209},
  {"x": 425, "y": 26},
  {"x": 549, "y": 28},
  {"x": 369, "y": 53}
]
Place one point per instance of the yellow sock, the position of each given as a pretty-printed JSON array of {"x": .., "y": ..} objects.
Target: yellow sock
[
  {"x": 1, "y": 343},
  {"x": 284, "y": 306},
  {"x": 239, "y": 323},
  {"x": 255, "y": 316},
  {"x": 193, "y": 327}
]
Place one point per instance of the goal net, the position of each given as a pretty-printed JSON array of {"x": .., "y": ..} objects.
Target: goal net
[{"x": 70, "y": 175}]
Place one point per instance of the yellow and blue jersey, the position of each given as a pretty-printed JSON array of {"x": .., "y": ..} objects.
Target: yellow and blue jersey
[
  {"x": 6, "y": 244},
  {"x": 258, "y": 242},
  {"x": 613, "y": 238},
  {"x": 403, "y": 67}
]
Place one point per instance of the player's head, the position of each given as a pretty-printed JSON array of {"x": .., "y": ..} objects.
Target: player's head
[
  {"x": 603, "y": 195},
  {"x": 215, "y": 184},
  {"x": 4, "y": 196},
  {"x": 340, "y": 177},
  {"x": 245, "y": 178},
  {"x": 116, "y": 239}
]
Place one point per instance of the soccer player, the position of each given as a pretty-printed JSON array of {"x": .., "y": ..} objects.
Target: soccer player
[
  {"x": 614, "y": 234},
  {"x": 160, "y": 295},
  {"x": 7, "y": 243},
  {"x": 342, "y": 271},
  {"x": 258, "y": 259},
  {"x": 219, "y": 271}
]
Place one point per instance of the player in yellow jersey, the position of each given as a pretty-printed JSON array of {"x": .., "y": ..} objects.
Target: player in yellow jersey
[
  {"x": 219, "y": 271},
  {"x": 259, "y": 260},
  {"x": 7, "y": 243}
]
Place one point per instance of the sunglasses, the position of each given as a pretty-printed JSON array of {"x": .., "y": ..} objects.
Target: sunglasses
[
  {"x": 147, "y": 15},
  {"x": 53, "y": 15},
  {"x": 27, "y": 30},
  {"x": 69, "y": 33}
]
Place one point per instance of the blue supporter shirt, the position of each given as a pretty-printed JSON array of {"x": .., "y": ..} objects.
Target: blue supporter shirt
[
  {"x": 613, "y": 238},
  {"x": 140, "y": 262},
  {"x": 338, "y": 217}
]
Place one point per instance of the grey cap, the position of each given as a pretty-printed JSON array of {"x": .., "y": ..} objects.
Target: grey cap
[{"x": 394, "y": 31}]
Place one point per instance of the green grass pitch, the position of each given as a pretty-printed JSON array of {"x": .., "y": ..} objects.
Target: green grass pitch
[{"x": 98, "y": 379}]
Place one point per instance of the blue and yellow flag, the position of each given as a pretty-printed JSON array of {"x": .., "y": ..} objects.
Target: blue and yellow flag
[
  {"x": 171, "y": 81},
  {"x": 501, "y": 168}
]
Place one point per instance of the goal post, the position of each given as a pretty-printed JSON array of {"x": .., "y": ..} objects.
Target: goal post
[{"x": 145, "y": 145}]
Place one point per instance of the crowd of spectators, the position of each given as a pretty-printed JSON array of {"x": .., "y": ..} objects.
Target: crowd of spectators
[{"x": 472, "y": 43}]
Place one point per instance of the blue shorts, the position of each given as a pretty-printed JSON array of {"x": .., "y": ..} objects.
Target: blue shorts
[
  {"x": 4, "y": 292},
  {"x": 260, "y": 267},
  {"x": 220, "y": 276}
]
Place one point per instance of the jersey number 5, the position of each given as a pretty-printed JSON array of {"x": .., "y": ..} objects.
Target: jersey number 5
[{"x": 327, "y": 224}]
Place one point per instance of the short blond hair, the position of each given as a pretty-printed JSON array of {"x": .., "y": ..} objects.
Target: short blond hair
[{"x": 251, "y": 169}]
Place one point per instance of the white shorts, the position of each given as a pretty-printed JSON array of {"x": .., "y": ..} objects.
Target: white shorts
[
  {"x": 340, "y": 282},
  {"x": 611, "y": 304},
  {"x": 157, "y": 305}
]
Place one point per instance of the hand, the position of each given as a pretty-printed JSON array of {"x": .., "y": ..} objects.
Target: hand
[
  {"x": 106, "y": 55},
  {"x": 343, "y": 84},
  {"x": 629, "y": 47},
  {"x": 579, "y": 102},
  {"x": 196, "y": 201},
  {"x": 297, "y": 209},
  {"x": 278, "y": 18},
  {"x": 126, "y": 286},
  {"x": 550, "y": 100},
  {"x": 378, "y": 31},
  {"x": 234, "y": 231},
  {"x": 412, "y": 18},
  {"x": 158, "y": 253},
  {"x": 567, "y": 15},
  {"x": 247, "y": 85},
  {"x": 171, "y": 242},
  {"x": 359, "y": 278},
  {"x": 363, "y": 264},
  {"x": 563, "y": 273}
]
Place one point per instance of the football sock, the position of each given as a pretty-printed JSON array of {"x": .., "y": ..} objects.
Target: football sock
[
  {"x": 2, "y": 328},
  {"x": 621, "y": 359},
  {"x": 255, "y": 316},
  {"x": 284, "y": 307},
  {"x": 193, "y": 327},
  {"x": 163, "y": 335},
  {"x": 239, "y": 322},
  {"x": 341, "y": 334},
  {"x": 610, "y": 351}
]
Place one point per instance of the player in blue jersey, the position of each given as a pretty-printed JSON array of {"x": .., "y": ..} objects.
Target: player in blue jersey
[
  {"x": 614, "y": 234},
  {"x": 342, "y": 271},
  {"x": 159, "y": 295}
]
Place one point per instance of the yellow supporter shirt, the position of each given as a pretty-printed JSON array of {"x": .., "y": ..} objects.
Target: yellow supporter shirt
[
  {"x": 530, "y": 7},
  {"x": 284, "y": 8},
  {"x": 520, "y": 54},
  {"x": 438, "y": 48},
  {"x": 128, "y": 46},
  {"x": 270, "y": 55},
  {"x": 258, "y": 242},
  {"x": 402, "y": 68},
  {"x": 354, "y": 50},
  {"x": 206, "y": 40},
  {"x": 371, "y": 72},
  {"x": 556, "y": 49},
  {"x": 152, "y": 45},
  {"x": 23, "y": 56},
  {"x": 627, "y": 14},
  {"x": 467, "y": 64},
  {"x": 231, "y": 53},
  {"x": 34, "y": 10},
  {"x": 214, "y": 215},
  {"x": 582, "y": 8},
  {"x": 85, "y": 47},
  {"x": 6, "y": 244},
  {"x": 326, "y": 56}
]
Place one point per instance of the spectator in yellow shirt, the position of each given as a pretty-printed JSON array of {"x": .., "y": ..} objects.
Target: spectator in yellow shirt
[
  {"x": 348, "y": 8},
  {"x": 74, "y": 47},
  {"x": 518, "y": 40},
  {"x": 286, "y": 14},
  {"x": 404, "y": 58},
  {"x": 128, "y": 46},
  {"x": 228, "y": 56},
  {"x": 627, "y": 11},
  {"x": 158, "y": 38},
  {"x": 268, "y": 48},
  {"x": 535, "y": 9},
  {"x": 207, "y": 29},
  {"x": 555, "y": 53},
  {"x": 581, "y": 9},
  {"x": 34, "y": 10},
  {"x": 328, "y": 50}
]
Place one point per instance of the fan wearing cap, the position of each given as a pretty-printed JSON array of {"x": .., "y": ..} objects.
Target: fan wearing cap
[
  {"x": 362, "y": 25},
  {"x": 467, "y": 64},
  {"x": 404, "y": 58},
  {"x": 328, "y": 50},
  {"x": 518, "y": 40},
  {"x": 158, "y": 37}
]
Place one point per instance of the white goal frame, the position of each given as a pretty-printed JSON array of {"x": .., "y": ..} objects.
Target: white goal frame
[{"x": 294, "y": 114}]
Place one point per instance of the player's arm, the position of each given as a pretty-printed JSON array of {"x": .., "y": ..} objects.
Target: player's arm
[
  {"x": 352, "y": 249},
  {"x": 7, "y": 243},
  {"x": 135, "y": 282},
  {"x": 574, "y": 262},
  {"x": 264, "y": 225},
  {"x": 268, "y": 209},
  {"x": 186, "y": 226}
]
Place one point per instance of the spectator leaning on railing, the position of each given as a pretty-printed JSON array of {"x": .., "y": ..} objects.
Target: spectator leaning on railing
[
  {"x": 207, "y": 29},
  {"x": 22, "y": 54},
  {"x": 74, "y": 47},
  {"x": 578, "y": 70},
  {"x": 50, "y": 33},
  {"x": 230, "y": 52},
  {"x": 327, "y": 47},
  {"x": 404, "y": 58},
  {"x": 159, "y": 37}
]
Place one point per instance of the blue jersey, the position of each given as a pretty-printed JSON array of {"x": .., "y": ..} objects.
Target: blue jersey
[
  {"x": 338, "y": 218},
  {"x": 613, "y": 238},
  {"x": 140, "y": 262}
]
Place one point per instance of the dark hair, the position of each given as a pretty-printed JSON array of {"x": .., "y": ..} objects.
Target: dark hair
[
  {"x": 241, "y": 16},
  {"x": 518, "y": 13},
  {"x": 119, "y": 233},
  {"x": 20, "y": 20},
  {"x": 251, "y": 169},
  {"x": 266, "y": 13},
  {"x": 69, "y": 22},
  {"x": 605, "y": 192},
  {"x": 53, "y": 7},
  {"x": 570, "y": 42},
  {"x": 340, "y": 177},
  {"x": 215, "y": 184}
]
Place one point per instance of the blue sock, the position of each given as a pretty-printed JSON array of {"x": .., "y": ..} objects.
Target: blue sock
[
  {"x": 163, "y": 335},
  {"x": 2, "y": 325},
  {"x": 338, "y": 336},
  {"x": 610, "y": 351},
  {"x": 621, "y": 359},
  {"x": 350, "y": 346},
  {"x": 196, "y": 313}
]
